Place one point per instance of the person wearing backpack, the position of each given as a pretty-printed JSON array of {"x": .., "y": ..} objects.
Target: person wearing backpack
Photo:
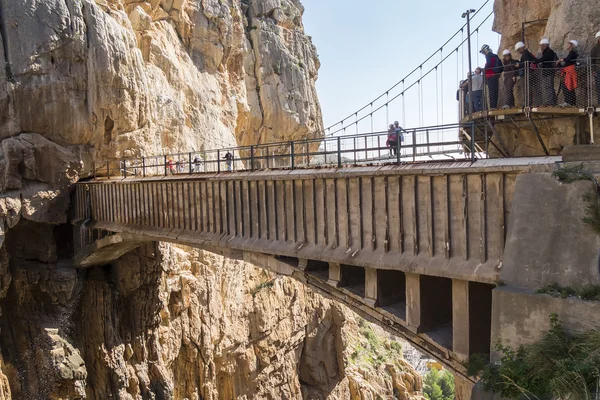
[
  {"x": 493, "y": 69},
  {"x": 392, "y": 140}
]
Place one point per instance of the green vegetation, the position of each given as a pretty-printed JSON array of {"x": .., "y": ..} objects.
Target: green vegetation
[
  {"x": 588, "y": 293},
  {"x": 439, "y": 385},
  {"x": 592, "y": 210},
  {"x": 560, "y": 365},
  {"x": 261, "y": 286},
  {"x": 572, "y": 174},
  {"x": 371, "y": 351}
]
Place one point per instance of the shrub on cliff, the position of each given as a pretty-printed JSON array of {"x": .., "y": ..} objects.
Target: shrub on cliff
[{"x": 560, "y": 365}]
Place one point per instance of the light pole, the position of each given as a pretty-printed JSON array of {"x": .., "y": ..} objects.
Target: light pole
[{"x": 467, "y": 15}]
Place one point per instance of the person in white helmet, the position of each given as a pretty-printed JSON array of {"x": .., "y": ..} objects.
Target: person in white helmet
[
  {"x": 493, "y": 68},
  {"x": 547, "y": 63},
  {"x": 568, "y": 82},
  {"x": 525, "y": 65},
  {"x": 595, "y": 55},
  {"x": 510, "y": 77}
]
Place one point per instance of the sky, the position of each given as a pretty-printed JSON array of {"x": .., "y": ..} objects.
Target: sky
[{"x": 366, "y": 47}]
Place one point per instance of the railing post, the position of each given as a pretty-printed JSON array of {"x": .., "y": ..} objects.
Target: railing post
[
  {"x": 94, "y": 168},
  {"x": 339, "y": 151},
  {"x": 292, "y": 157},
  {"x": 252, "y": 158},
  {"x": 414, "y": 140},
  {"x": 190, "y": 161},
  {"x": 166, "y": 166},
  {"x": 219, "y": 161},
  {"x": 124, "y": 169},
  {"x": 398, "y": 150},
  {"x": 472, "y": 141},
  {"x": 144, "y": 167},
  {"x": 108, "y": 169}
]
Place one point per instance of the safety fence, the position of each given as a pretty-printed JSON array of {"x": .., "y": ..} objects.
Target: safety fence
[
  {"x": 445, "y": 142},
  {"x": 533, "y": 86}
]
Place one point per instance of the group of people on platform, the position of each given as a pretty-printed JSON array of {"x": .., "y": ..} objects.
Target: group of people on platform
[{"x": 540, "y": 76}]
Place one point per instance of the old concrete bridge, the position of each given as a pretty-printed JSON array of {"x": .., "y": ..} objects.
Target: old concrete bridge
[{"x": 417, "y": 248}]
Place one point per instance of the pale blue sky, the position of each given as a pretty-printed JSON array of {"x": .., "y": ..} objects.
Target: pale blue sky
[{"x": 365, "y": 47}]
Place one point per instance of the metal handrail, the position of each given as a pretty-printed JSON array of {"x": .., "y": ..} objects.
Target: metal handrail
[{"x": 363, "y": 148}]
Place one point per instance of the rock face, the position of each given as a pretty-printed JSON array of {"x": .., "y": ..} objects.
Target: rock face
[
  {"x": 87, "y": 81},
  {"x": 560, "y": 21},
  {"x": 566, "y": 20},
  {"x": 145, "y": 77}
]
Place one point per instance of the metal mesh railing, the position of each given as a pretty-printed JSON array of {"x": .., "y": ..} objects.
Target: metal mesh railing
[
  {"x": 533, "y": 86},
  {"x": 416, "y": 145}
]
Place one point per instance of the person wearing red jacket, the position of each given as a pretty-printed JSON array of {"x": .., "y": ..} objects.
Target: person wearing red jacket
[{"x": 493, "y": 69}]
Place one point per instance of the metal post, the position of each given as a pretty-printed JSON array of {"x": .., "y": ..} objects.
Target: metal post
[
  {"x": 251, "y": 158},
  {"x": 354, "y": 150},
  {"x": 108, "y": 169},
  {"x": 166, "y": 166},
  {"x": 414, "y": 135},
  {"x": 398, "y": 150},
  {"x": 339, "y": 151},
  {"x": 94, "y": 168},
  {"x": 144, "y": 167},
  {"x": 473, "y": 141},
  {"x": 190, "y": 161},
  {"x": 467, "y": 15},
  {"x": 292, "y": 159},
  {"x": 219, "y": 160}
]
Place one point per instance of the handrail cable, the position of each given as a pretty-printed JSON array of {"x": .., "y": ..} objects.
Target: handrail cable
[
  {"x": 408, "y": 88},
  {"x": 461, "y": 30}
]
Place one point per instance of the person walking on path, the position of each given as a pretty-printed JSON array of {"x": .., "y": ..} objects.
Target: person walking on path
[
  {"x": 493, "y": 69},
  {"x": 568, "y": 81},
  {"x": 229, "y": 161},
  {"x": 595, "y": 55},
  {"x": 392, "y": 140},
  {"x": 510, "y": 78},
  {"x": 547, "y": 63},
  {"x": 526, "y": 66}
]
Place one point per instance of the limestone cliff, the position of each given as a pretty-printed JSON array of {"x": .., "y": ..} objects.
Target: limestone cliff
[
  {"x": 560, "y": 21},
  {"x": 86, "y": 81}
]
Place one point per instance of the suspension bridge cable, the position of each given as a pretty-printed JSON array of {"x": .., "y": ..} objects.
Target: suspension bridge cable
[
  {"x": 408, "y": 88},
  {"x": 461, "y": 31}
]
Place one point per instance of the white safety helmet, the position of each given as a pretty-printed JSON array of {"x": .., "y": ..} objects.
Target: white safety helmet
[
  {"x": 574, "y": 42},
  {"x": 506, "y": 52},
  {"x": 545, "y": 41},
  {"x": 519, "y": 45},
  {"x": 598, "y": 35}
]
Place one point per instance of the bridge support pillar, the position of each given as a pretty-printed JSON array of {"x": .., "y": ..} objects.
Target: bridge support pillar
[
  {"x": 460, "y": 318},
  {"x": 371, "y": 286},
  {"x": 335, "y": 274},
  {"x": 413, "y": 302}
]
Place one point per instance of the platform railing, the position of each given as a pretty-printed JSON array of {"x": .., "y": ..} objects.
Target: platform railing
[
  {"x": 537, "y": 86},
  {"x": 444, "y": 142}
]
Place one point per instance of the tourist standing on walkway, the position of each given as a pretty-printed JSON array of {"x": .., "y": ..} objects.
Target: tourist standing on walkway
[
  {"x": 510, "y": 78},
  {"x": 170, "y": 166},
  {"x": 526, "y": 66},
  {"x": 392, "y": 140},
  {"x": 229, "y": 161},
  {"x": 197, "y": 163},
  {"x": 477, "y": 95},
  {"x": 493, "y": 69},
  {"x": 595, "y": 55},
  {"x": 547, "y": 63},
  {"x": 568, "y": 81}
]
